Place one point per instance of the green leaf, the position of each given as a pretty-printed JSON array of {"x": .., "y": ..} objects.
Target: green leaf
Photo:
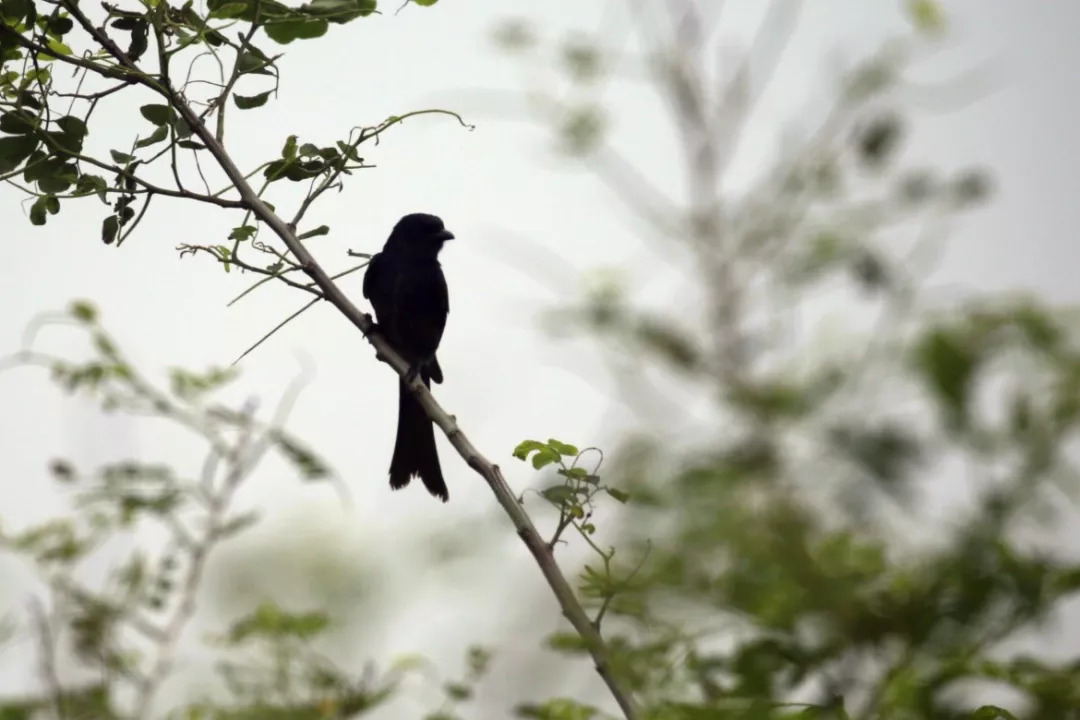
[
  {"x": 15, "y": 149},
  {"x": 27, "y": 99},
  {"x": 17, "y": 122},
  {"x": 52, "y": 204},
  {"x": 190, "y": 145},
  {"x": 338, "y": 11},
  {"x": 425, "y": 3},
  {"x": 294, "y": 171},
  {"x": 121, "y": 158},
  {"x": 267, "y": 10},
  {"x": 229, "y": 10},
  {"x": 37, "y": 76},
  {"x": 109, "y": 229},
  {"x": 38, "y": 212},
  {"x": 544, "y": 457},
  {"x": 558, "y": 494},
  {"x": 349, "y": 151},
  {"x": 87, "y": 184},
  {"x": 284, "y": 32},
  {"x": 251, "y": 101},
  {"x": 125, "y": 23},
  {"x": 561, "y": 447},
  {"x": 16, "y": 9},
  {"x": 139, "y": 39},
  {"x": 242, "y": 233},
  {"x": 158, "y": 114},
  {"x": 521, "y": 452},
  {"x": 71, "y": 125},
  {"x": 59, "y": 26},
  {"x": 617, "y": 494},
  {"x": 55, "y": 183},
  {"x": 38, "y": 165},
  {"x": 181, "y": 128},
  {"x": 288, "y": 151},
  {"x": 157, "y": 136},
  {"x": 253, "y": 61},
  {"x": 57, "y": 48}
]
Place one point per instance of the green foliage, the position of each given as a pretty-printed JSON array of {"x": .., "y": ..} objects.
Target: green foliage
[
  {"x": 45, "y": 146},
  {"x": 128, "y": 626},
  {"x": 774, "y": 582}
]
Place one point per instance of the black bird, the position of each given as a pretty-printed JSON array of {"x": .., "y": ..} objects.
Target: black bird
[{"x": 406, "y": 286}]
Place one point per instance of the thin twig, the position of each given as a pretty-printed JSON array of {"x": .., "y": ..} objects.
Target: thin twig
[{"x": 273, "y": 330}]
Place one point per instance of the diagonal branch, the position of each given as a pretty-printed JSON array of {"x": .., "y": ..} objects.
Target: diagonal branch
[
  {"x": 491, "y": 473},
  {"x": 447, "y": 423}
]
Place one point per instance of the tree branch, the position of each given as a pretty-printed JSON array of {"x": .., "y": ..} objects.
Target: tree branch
[{"x": 491, "y": 473}]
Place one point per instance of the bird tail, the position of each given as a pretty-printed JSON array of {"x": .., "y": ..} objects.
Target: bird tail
[{"x": 414, "y": 449}]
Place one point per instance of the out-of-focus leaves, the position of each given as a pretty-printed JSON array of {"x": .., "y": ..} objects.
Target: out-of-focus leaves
[
  {"x": 188, "y": 385},
  {"x": 948, "y": 360},
  {"x": 307, "y": 463},
  {"x": 970, "y": 187},
  {"x": 887, "y": 453},
  {"x": 558, "y": 709},
  {"x": 514, "y": 35},
  {"x": 269, "y": 621},
  {"x": 582, "y": 59},
  {"x": 772, "y": 400},
  {"x": 877, "y": 141},
  {"x": 668, "y": 342},
  {"x": 927, "y": 15},
  {"x": 582, "y": 129},
  {"x": 870, "y": 271}
]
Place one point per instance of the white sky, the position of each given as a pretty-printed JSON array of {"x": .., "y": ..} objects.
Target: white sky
[{"x": 506, "y": 379}]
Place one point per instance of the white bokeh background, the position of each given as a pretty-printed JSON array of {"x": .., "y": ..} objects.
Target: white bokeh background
[{"x": 497, "y": 187}]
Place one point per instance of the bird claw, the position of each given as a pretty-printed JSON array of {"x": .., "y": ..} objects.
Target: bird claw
[{"x": 411, "y": 374}]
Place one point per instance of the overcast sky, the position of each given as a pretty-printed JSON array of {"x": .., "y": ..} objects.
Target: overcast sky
[{"x": 496, "y": 187}]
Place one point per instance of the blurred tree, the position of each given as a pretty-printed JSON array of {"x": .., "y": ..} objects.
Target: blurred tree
[{"x": 778, "y": 563}]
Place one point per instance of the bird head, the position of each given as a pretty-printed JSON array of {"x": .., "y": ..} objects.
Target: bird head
[{"x": 419, "y": 234}]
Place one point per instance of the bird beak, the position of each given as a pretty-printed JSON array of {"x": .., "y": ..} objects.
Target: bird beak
[{"x": 445, "y": 235}]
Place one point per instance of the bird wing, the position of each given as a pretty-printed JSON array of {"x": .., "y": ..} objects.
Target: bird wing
[{"x": 371, "y": 274}]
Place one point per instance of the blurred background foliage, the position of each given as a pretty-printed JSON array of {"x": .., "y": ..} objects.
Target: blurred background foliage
[{"x": 777, "y": 552}]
